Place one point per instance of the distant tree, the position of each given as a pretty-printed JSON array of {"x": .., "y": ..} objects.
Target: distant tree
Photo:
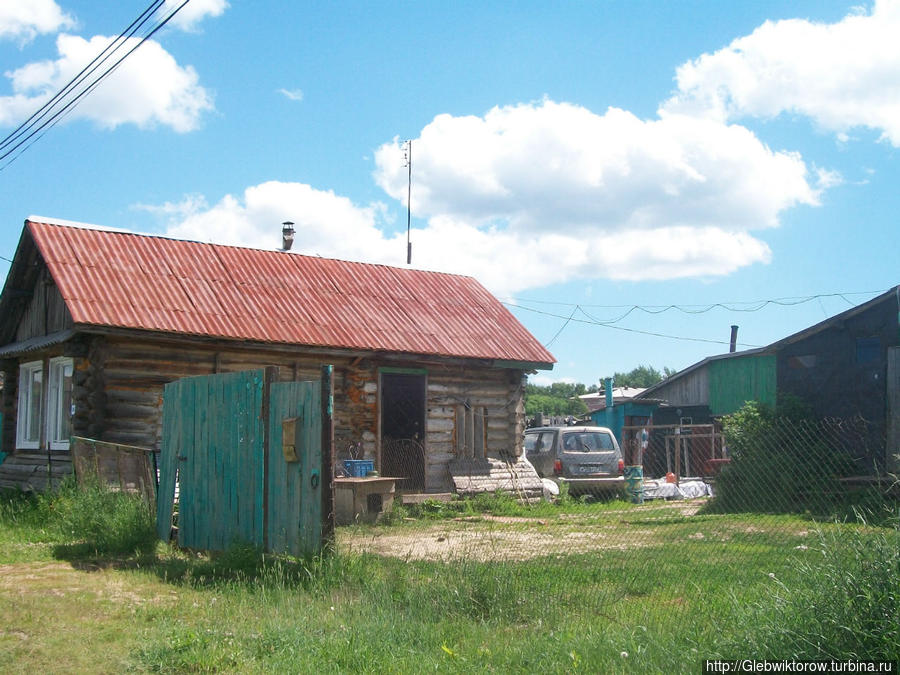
[
  {"x": 560, "y": 398},
  {"x": 641, "y": 377}
]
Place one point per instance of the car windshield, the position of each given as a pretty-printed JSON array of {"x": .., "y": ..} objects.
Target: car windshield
[{"x": 587, "y": 441}]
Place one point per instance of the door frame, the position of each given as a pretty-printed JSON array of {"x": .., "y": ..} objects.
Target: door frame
[{"x": 386, "y": 370}]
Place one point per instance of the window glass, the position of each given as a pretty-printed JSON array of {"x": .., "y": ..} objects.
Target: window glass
[
  {"x": 868, "y": 350},
  {"x": 539, "y": 442},
  {"x": 587, "y": 441},
  {"x": 30, "y": 396},
  {"x": 45, "y": 406},
  {"x": 60, "y": 411}
]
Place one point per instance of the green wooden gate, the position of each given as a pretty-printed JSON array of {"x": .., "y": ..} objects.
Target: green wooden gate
[{"x": 239, "y": 478}]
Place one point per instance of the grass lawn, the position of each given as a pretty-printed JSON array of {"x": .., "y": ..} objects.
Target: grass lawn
[{"x": 584, "y": 588}]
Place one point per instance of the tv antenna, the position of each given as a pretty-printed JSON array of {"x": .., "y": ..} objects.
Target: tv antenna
[{"x": 407, "y": 162}]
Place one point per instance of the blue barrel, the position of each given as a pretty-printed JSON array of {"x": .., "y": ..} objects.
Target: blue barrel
[{"x": 634, "y": 483}]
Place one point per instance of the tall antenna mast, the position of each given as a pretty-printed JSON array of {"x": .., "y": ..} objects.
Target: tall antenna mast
[{"x": 407, "y": 158}]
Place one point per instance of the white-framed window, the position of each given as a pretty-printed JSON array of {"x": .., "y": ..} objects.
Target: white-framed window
[
  {"x": 59, "y": 403},
  {"x": 44, "y": 405},
  {"x": 31, "y": 396}
]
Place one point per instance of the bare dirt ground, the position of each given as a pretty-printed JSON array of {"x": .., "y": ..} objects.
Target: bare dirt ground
[{"x": 506, "y": 538}]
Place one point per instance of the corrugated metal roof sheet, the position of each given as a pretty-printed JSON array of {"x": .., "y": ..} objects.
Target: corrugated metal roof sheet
[{"x": 124, "y": 280}]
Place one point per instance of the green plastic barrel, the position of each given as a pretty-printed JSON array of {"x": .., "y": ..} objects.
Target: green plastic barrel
[{"x": 634, "y": 483}]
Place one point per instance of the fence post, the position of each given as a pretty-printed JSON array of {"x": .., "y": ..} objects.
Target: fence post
[
  {"x": 327, "y": 407},
  {"x": 270, "y": 375}
]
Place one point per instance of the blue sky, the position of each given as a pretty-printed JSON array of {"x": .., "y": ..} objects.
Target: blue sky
[{"x": 578, "y": 158}]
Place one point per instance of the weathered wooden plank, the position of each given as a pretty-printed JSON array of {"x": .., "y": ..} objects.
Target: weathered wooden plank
[
  {"x": 168, "y": 460},
  {"x": 284, "y": 498},
  {"x": 129, "y": 467},
  {"x": 445, "y": 425}
]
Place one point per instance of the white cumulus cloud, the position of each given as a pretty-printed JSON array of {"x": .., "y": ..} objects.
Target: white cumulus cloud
[
  {"x": 557, "y": 166},
  {"x": 148, "y": 89},
  {"x": 23, "y": 20},
  {"x": 842, "y": 75},
  {"x": 535, "y": 194},
  {"x": 532, "y": 195},
  {"x": 192, "y": 13},
  {"x": 325, "y": 223}
]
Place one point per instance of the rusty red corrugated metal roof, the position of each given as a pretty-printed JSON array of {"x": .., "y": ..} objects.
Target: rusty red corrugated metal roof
[{"x": 125, "y": 280}]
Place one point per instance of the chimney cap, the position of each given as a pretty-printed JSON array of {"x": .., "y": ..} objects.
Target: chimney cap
[{"x": 287, "y": 235}]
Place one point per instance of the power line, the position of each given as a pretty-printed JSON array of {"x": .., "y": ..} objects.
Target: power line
[
  {"x": 749, "y": 306},
  {"x": 40, "y": 112},
  {"x": 39, "y": 121},
  {"x": 594, "y": 322},
  {"x": 562, "y": 328}
]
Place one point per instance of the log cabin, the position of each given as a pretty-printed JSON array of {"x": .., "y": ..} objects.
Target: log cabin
[{"x": 429, "y": 368}]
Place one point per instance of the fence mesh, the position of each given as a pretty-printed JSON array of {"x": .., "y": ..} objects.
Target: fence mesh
[{"x": 705, "y": 526}]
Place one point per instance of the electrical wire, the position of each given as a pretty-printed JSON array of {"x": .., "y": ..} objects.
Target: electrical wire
[
  {"x": 38, "y": 130},
  {"x": 42, "y": 111},
  {"x": 593, "y": 322},
  {"x": 562, "y": 328},
  {"x": 752, "y": 306}
]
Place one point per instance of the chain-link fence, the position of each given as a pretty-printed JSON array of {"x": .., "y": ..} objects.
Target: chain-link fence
[{"x": 680, "y": 539}]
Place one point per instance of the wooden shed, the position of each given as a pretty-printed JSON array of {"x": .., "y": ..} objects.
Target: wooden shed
[
  {"x": 845, "y": 367},
  {"x": 429, "y": 367}
]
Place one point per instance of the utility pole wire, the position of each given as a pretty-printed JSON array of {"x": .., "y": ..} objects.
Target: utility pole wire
[
  {"x": 622, "y": 328},
  {"x": 42, "y": 111},
  {"x": 93, "y": 85}
]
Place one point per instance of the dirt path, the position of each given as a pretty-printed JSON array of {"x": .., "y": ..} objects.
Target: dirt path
[{"x": 489, "y": 537}]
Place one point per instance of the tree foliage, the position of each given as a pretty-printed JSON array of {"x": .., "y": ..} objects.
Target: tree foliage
[
  {"x": 560, "y": 398},
  {"x": 641, "y": 377}
]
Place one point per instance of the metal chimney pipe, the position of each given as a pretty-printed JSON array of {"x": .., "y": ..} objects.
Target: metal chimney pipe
[
  {"x": 732, "y": 347},
  {"x": 287, "y": 235}
]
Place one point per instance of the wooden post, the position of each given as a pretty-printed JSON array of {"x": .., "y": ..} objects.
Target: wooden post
[
  {"x": 677, "y": 454},
  {"x": 328, "y": 456},
  {"x": 271, "y": 375},
  {"x": 470, "y": 431}
]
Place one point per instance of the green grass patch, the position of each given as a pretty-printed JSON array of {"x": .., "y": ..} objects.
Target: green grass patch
[{"x": 681, "y": 588}]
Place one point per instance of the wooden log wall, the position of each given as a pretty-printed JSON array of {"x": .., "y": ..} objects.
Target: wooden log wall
[
  {"x": 8, "y": 405},
  {"x": 119, "y": 385},
  {"x": 28, "y": 470},
  {"x": 471, "y": 414}
]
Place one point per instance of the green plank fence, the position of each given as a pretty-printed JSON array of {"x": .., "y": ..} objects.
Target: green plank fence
[{"x": 224, "y": 444}]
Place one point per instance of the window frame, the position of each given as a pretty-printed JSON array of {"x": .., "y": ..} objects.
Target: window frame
[
  {"x": 52, "y": 415},
  {"x": 56, "y": 416},
  {"x": 24, "y": 420}
]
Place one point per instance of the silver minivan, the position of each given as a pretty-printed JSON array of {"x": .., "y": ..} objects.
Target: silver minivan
[{"x": 588, "y": 459}]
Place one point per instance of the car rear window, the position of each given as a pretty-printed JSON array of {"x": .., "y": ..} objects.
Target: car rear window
[{"x": 587, "y": 441}]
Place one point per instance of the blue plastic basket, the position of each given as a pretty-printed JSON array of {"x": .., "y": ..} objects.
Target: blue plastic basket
[{"x": 358, "y": 468}]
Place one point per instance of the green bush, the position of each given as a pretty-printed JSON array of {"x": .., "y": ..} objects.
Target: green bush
[{"x": 781, "y": 461}]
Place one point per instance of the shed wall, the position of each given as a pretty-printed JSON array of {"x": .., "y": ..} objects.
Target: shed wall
[
  {"x": 691, "y": 389},
  {"x": 841, "y": 371},
  {"x": 734, "y": 381}
]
